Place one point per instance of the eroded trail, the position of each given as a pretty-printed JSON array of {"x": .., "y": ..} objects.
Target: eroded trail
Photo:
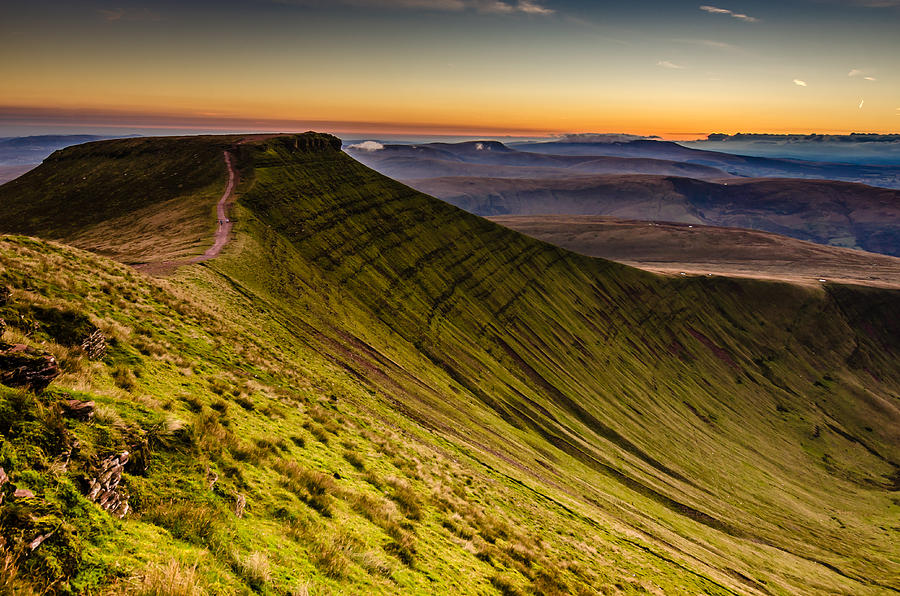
[{"x": 223, "y": 229}]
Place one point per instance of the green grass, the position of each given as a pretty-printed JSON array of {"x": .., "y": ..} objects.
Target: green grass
[
  {"x": 135, "y": 200},
  {"x": 412, "y": 399}
]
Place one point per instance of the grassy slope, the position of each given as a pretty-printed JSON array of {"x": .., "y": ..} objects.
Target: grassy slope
[
  {"x": 135, "y": 200},
  {"x": 681, "y": 411}
]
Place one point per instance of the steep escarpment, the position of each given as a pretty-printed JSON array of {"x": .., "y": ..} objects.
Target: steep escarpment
[
  {"x": 638, "y": 386},
  {"x": 721, "y": 435}
]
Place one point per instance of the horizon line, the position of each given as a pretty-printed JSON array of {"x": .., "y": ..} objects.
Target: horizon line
[{"x": 97, "y": 118}]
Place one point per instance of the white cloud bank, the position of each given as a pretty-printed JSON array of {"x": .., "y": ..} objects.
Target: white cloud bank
[{"x": 367, "y": 146}]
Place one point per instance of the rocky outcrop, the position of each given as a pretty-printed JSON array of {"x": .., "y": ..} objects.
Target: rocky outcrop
[
  {"x": 94, "y": 345},
  {"x": 104, "y": 489},
  {"x": 23, "y": 366},
  {"x": 77, "y": 409},
  {"x": 8, "y": 489}
]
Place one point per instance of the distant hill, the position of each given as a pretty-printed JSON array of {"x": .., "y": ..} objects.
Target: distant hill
[
  {"x": 710, "y": 154},
  {"x": 131, "y": 199},
  {"x": 18, "y": 151},
  {"x": 827, "y": 212},
  {"x": 857, "y": 148},
  {"x": 371, "y": 390},
  {"x": 481, "y": 158},
  {"x": 675, "y": 248}
]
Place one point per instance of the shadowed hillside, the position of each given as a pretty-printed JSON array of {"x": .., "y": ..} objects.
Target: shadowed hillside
[{"x": 720, "y": 435}]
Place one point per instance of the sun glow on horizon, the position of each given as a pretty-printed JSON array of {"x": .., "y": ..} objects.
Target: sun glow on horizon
[{"x": 539, "y": 69}]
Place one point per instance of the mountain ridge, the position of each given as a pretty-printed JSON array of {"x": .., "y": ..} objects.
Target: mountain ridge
[{"x": 672, "y": 408}]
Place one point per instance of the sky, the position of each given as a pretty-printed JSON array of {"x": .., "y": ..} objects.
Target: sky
[{"x": 673, "y": 68}]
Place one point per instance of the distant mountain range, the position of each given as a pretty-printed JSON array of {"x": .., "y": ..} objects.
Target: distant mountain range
[
  {"x": 633, "y": 157},
  {"x": 660, "y": 181},
  {"x": 491, "y": 158},
  {"x": 736, "y": 165},
  {"x": 872, "y": 149}
]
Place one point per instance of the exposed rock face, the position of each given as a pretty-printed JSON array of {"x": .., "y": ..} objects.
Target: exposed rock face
[
  {"x": 94, "y": 345},
  {"x": 104, "y": 489},
  {"x": 22, "y": 366},
  {"x": 77, "y": 409}
]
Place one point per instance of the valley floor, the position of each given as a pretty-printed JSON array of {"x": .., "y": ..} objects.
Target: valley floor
[{"x": 675, "y": 248}]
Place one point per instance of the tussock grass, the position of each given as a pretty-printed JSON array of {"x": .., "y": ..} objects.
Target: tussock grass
[
  {"x": 171, "y": 579},
  {"x": 314, "y": 488},
  {"x": 354, "y": 459},
  {"x": 507, "y": 585},
  {"x": 11, "y": 580},
  {"x": 124, "y": 378},
  {"x": 196, "y": 523},
  {"x": 255, "y": 569},
  {"x": 406, "y": 497}
]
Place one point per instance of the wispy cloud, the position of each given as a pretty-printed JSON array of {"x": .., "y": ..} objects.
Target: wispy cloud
[
  {"x": 708, "y": 43},
  {"x": 861, "y": 102},
  {"x": 800, "y": 83},
  {"x": 857, "y": 72},
  {"x": 724, "y": 11},
  {"x": 532, "y": 7},
  {"x": 667, "y": 64},
  {"x": 122, "y": 14}
]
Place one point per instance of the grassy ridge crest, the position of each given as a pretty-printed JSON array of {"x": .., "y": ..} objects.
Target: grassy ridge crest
[{"x": 744, "y": 430}]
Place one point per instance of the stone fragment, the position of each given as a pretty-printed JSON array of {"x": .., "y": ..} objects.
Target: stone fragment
[
  {"x": 27, "y": 367},
  {"x": 38, "y": 541},
  {"x": 104, "y": 488},
  {"x": 94, "y": 345},
  {"x": 22, "y": 493},
  {"x": 77, "y": 409}
]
